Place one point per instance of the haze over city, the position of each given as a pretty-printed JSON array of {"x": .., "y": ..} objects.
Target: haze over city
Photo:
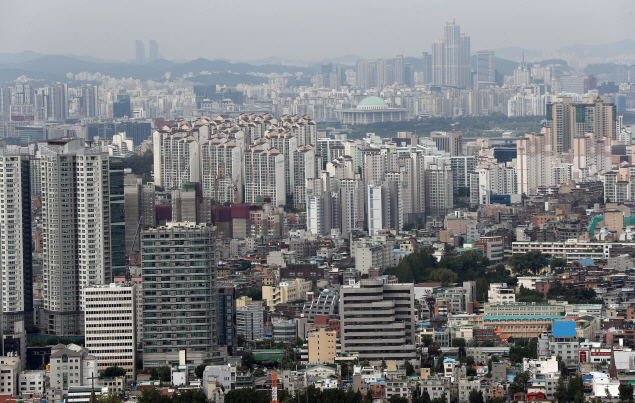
[{"x": 303, "y": 30}]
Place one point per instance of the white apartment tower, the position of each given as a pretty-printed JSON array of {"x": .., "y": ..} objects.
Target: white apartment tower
[
  {"x": 110, "y": 325},
  {"x": 265, "y": 175},
  {"x": 376, "y": 208},
  {"x": 15, "y": 231},
  {"x": 76, "y": 236},
  {"x": 177, "y": 158},
  {"x": 220, "y": 152}
]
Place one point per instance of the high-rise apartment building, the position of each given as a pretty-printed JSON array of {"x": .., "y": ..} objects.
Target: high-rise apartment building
[
  {"x": 180, "y": 310},
  {"x": 377, "y": 207},
  {"x": 250, "y": 321},
  {"x": 154, "y": 50},
  {"x": 110, "y": 325},
  {"x": 485, "y": 68},
  {"x": 89, "y": 101},
  {"x": 227, "y": 335},
  {"x": 140, "y": 52},
  {"x": 177, "y": 158},
  {"x": 451, "y": 58},
  {"x": 568, "y": 119},
  {"x": 265, "y": 175},
  {"x": 439, "y": 189},
  {"x": 117, "y": 217},
  {"x": 220, "y": 152},
  {"x": 5, "y": 101},
  {"x": 76, "y": 222},
  {"x": 15, "y": 231},
  {"x": 377, "y": 321}
]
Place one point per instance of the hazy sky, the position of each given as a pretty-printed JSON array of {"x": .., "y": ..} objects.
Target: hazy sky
[{"x": 302, "y": 29}]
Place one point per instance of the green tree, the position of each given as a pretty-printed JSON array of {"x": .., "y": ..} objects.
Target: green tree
[
  {"x": 259, "y": 373},
  {"x": 426, "y": 340},
  {"x": 575, "y": 385},
  {"x": 198, "y": 371},
  {"x": 531, "y": 262},
  {"x": 344, "y": 370},
  {"x": 241, "y": 340},
  {"x": 410, "y": 369},
  {"x": 383, "y": 364},
  {"x": 443, "y": 276},
  {"x": 397, "y": 399},
  {"x": 519, "y": 384},
  {"x": 111, "y": 397},
  {"x": 482, "y": 286},
  {"x": 246, "y": 395},
  {"x": 470, "y": 371},
  {"x": 189, "y": 396},
  {"x": 625, "y": 391},
  {"x": 498, "y": 399},
  {"x": 248, "y": 360},
  {"x": 561, "y": 394},
  {"x": 164, "y": 373},
  {"x": 558, "y": 262},
  {"x": 365, "y": 363},
  {"x": 458, "y": 342},
  {"x": 153, "y": 395},
  {"x": 476, "y": 396},
  {"x": 113, "y": 371},
  {"x": 527, "y": 295}
]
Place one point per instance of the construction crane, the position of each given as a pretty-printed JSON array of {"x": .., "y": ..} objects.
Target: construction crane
[{"x": 274, "y": 386}]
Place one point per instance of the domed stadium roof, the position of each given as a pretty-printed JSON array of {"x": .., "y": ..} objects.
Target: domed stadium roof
[{"x": 372, "y": 103}]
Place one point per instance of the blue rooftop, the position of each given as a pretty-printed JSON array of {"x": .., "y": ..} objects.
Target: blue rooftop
[
  {"x": 586, "y": 262},
  {"x": 563, "y": 329}
]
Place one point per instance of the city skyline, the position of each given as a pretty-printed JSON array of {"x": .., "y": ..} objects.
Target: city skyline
[{"x": 368, "y": 36}]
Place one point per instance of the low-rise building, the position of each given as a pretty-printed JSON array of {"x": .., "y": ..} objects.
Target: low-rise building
[
  {"x": 322, "y": 346},
  {"x": 33, "y": 382}
]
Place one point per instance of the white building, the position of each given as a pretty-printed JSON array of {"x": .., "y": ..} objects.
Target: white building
[
  {"x": 250, "y": 321},
  {"x": 265, "y": 175},
  {"x": 177, "y": 157},
  {"x": 499, "y": 293},
  {"x": 15, "y": 227},
  {"x": 121, "y": 145},
  {"x": 33, "y": 382},
  {"x": 111, "y": 326},
  {"x": 76, "y": 233},
  {"x": 225, "y": 374},
  {"x": 10, "y": 369},
  {"x": 225, "y": 153},
  {"x": 376, "y": 208},
  {"x": 70, "y": 366}
]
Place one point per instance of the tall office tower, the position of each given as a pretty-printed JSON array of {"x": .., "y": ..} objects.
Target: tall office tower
[
  {"x": 121, "y": 107},
  {"x": 140, "y": 213},
  {"x": 219, "y": 152},
  {"x": 450, "y": 142},
  {"x": 409, "y": 75},
  {"x": 305, "y": 166},
  {"x": 117, "y": 217},
  {"x": 57, "y": 106},
  {"x": 15, "y": 230},
  {"x": 154, "y": 50},
  {"x": 227, "y": 335},
  {"x": 5, "y": 101},
  {"x": 439, "y": 190},
  {"x": 377, "y": 321},
  {"x": 427, "y": 68},
  {"x": 76, "y": 222},
  {"x": 140, "y": 52},
  {"x": 265, "y": 175},
  {"x": 378, "y": 208},
  {"x": 451, "y": 58},
  {"x": 179, "y": 288},
  {"x": 177, "y": 158},
  {"x": 380, "y": 72},
  {"x": 399, "y": 76},
  {"x": 568, "y": 119},
  {"x": 110, "y": 325},
  {"x": 326, "y": 70},
  {"x": 89, "y": 101},
  {"x": 485, "y": 68}
]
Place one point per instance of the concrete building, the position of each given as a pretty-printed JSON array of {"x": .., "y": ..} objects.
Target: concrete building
[
  {"x": 372, "y": 253},
  {"x": 499, "y": 293},
  {"x": 179, "y": 257},
  {"x": 77, "y": 238},
  {"x": 285, "y": 291},
  {"x": 439, "y": 189},
  {"x": 15, "y": 229},
  {"x": 140, "y": 212},
  {"x": 227, "y": 335},
  {"x": 10, "y": 368},
  {"x": 378, "y": 205},
  {"x": 33, "y": 382},
  {"x": 485, "y": 68},
  {"x": 110, "y": 325},
  {"x": 322, "y": 346},
  {"x": 377, "y": 321},
  {"x": 250, "y": 321},
  {"x": 326, "y": 303},
  {"x": 70, "y": 366},
  {"x": 265, "y": 175}
]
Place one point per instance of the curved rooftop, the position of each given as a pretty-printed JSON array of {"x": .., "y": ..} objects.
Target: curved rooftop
[{"x": 372, "y": 103}]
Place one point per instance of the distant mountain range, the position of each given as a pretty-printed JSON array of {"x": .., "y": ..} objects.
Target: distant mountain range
[
  {"x": 55, "y": 68},
  {"x": 516, "y": 52},
  {"x": 625, "y": 47}
]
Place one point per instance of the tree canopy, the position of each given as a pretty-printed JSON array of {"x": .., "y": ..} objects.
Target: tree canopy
[
  {"x": 114, "y": 371},
  {"x": 530, "y": 262},
  {"x": 140, "y": 164}
]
